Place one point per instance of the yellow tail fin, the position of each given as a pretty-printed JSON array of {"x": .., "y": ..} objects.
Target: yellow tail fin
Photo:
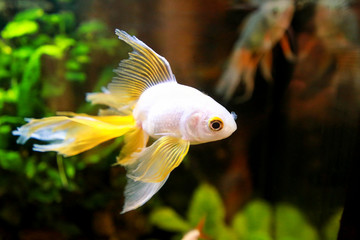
[{"x": 72, "y": 135}]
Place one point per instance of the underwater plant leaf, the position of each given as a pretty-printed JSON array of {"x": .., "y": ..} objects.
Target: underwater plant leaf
[
  {"x": 332, "y": 226},
  {"x": 83, "y": 59},
  {"x": 80, "y": 49},
  {"x": 226, "y": 233},
  {"x": 30, "y": 14},
  {"x": 30, "y": 168},
  {"x": 75, "y": 76},
  {"x": 239, "y": 224},
  {"x": 27, "y": 95},
  {"x": 51, "y": 50},
  {"x": 5, "y": 48},
  {"x": 11, "y": 119},
  {"x": 63, "y": 21},
  {"x": 4, "y": 73},
  {"x": 68, "y": 21},
  {"x": 4, "y": 136},
  {"x": 40, "y": 40},
  {"x": 64, "y": 42},
  {"x": 290, "y": 223},
  {"x": 10, "y": 160},
  {"x": 206, "y": 203},
  {"x": 73, "y": 65},
  {"x": 4, "y": 129},
  {"x": 23, "y": 52},
  {"x": 254, "y": 219},
  {"x": 10, "y": 95},
  {"x": 167, "y": 219},
  {"x": 19, "y": 28},
  {"x": 70, "y": 168},
  {"x": 91, "y": 27},
  {"x": 107, "y": 44}
]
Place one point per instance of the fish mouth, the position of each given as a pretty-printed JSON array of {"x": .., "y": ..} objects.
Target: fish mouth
[{"x": 234, "y": 115}]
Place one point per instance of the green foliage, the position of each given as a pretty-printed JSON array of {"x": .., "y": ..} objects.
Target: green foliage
[
  {"x": 24, "y": 47},
  {"x": 10, "y": 160},
  {"x": 254, "y": 222},
  {"x": 19, "y": 28},
  {"x": 292, "y": 224},
  {"x": 167, "y": 219},
  {"x": 258, "y": 220},
  {"x": 30, "y": 14},
  {"x": 331, "y": 228},
  {"x": 206, "y": 205},
  {"x": 42, "y": 55}
]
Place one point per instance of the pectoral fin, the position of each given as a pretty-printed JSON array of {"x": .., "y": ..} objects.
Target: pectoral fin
[{"x": 154, "y": 163}]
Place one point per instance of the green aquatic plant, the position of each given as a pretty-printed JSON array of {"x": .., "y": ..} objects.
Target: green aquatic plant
[
  {"x": 254, "y": 221},
  {"x": 41, "y": 56},
  {"x": 205, "y": 204},
  {"x": 257, "y": 220}
]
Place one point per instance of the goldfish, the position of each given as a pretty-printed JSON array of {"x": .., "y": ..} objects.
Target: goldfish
[
  {"x": 264, "y": 28},
  {"x": 144, "y": 102}
]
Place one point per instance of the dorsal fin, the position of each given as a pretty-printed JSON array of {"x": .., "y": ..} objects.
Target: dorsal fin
[{"x": 143, "y": 69}]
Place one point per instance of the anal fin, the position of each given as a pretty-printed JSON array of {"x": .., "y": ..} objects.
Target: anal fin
[{"x": 137, "y": 193}]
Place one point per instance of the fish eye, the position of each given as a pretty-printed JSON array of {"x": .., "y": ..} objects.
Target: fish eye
[{"x": 216, "y": 124}]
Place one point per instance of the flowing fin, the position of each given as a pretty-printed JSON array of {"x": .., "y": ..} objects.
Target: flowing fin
[
  {"x": 72, "y": 135},
  {"x": 266, "y": 66},
  {"x": 135, "y": 142},
  {"x": 144, "y": 68},
  {"x": 285, "y": 45},
  {"x": 241, "y": 69},
  {"x": 137, "y": 193},
  {"x": 154, "y": 163},
  {"x": 111, "y": 100},
  {"x": 231, "y": 77}
]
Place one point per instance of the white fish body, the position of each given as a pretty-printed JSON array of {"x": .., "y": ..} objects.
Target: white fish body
[{"x": 172, "y": 109}]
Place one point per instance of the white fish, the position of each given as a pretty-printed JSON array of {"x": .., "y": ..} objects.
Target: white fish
[
  {"x": 264, "y": 28},
  {"x": 144, "y": 101}
]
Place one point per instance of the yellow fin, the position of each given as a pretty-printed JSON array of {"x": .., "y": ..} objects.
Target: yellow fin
[
  {"x": 143, "y": 69},
  {"x": 135, "y": 141},
  {"x": 72, "y": 135},
  {"x": 156, "y": 162},
  {"x": 112, "y": 100}
]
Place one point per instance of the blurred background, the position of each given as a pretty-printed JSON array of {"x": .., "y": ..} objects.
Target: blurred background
[{"x": 290, "y": 171}]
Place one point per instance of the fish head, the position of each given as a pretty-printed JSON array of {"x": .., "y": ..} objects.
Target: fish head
[
  {"x": 278, "y": 12},
  {"x": 209, "y": 123}
]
